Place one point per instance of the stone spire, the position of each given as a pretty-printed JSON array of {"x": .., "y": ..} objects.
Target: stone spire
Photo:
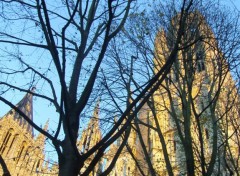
[
  {"x": 41, "y": 138},
  {"x": 96, "y": 109},
  {"x": 92, "y": 134},
  {"x": 26, "y": 106}
]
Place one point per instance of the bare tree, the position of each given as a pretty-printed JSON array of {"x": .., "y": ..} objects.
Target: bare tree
[
  {"x": 140, "y": 68},
  {"x": 198, "y": 97},
  {"x": 73, "y": 37},
  {"x": 63, "y": 44},
  {"x": 4, "y": 167}
]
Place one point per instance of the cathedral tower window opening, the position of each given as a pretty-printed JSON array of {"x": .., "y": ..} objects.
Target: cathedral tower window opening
[
  {"x": 33, "y": 167},
  {"x": 200, "y": 61},
  {"x": 26, "y": 153},
  {"x": 11, "y": 145},
  {"x": 21, "y": 151},
  {"x": 174, "y": 146},
  {"x": 38, "y": 166},
  {"x": 206, "y": 133},
  {"x": 27, "y": 156},
  {"x": 6, "y": 140},
  {"x": 85, "y": 144}
]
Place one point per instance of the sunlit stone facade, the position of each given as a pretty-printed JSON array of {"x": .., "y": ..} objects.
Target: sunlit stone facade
[{"x": 20, "y": 149}]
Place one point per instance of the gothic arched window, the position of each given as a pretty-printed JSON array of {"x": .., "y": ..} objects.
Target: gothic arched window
[
  {"x": 12, "y": 143},
  {"x": 206, "y": 133},
  {"x": 22, "y": 148},
  {"x": 200, "y": 61},
  {"x": 6, "y": 140}
]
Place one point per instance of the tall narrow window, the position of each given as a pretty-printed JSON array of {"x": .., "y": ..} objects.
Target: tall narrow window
[
  {"x": 38, "y": 166},
  {"x": 200, "y": 61},
  {"x": 26, "y": 153},
  {"x": 11, "y": 145},
  {"x": 28, "y": 162},
  {"x": 5, "y": 141},
  {"x": 174, "y": 146},
  {"x": 85, "y": 142},
  {"x": 125, "y": 169},
  {"x": 169, "y": 79},
  {"x": 206, "y": 133},
  {"x": 21, "y": 151},
  {"x": 32, "y": 171}
]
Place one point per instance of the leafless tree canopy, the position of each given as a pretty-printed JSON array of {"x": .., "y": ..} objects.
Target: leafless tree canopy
[{"x": 78, "y": 52}]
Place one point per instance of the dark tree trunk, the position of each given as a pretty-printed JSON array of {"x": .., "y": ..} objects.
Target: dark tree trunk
[
  {"x": 4, "y": 167},
  {"x": 69, "y": 163},
  {"x": 189, "y": 157}
]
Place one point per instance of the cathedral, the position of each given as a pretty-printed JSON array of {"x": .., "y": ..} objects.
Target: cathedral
[
  {"x": 193, "y": 116},
  {"x": 20, "y": 149}
]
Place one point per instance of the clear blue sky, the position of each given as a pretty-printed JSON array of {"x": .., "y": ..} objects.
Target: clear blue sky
[
  {"x": 235, "y": 3},
  {"x": 40, "y": 116},
  {"x": 42, "y": 111},
  {"x": 16, "y": 97}
]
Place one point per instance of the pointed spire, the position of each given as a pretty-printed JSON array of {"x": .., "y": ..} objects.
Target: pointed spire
[
  {"x": 26, "y": 106},
  {"x": 46, "y": 125},
  {"x": 96, "y": 109},
  {"x": 92, "y": 134},
  {"x": 94, "y": 121},
  {"x": 129, "y": 98},
  {"x": 41, "y": 138}
]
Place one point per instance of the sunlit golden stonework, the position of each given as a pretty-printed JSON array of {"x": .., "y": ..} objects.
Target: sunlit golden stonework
[
  {"x": 197, "y": 99},
  {"x": 22, "y": 152}
]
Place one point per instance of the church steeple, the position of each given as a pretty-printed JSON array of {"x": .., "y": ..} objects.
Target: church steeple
[{"x": 26, "y": 106}]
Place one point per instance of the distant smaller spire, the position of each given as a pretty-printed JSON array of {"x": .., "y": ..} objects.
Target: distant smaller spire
[
  {"x": 96, "y": 109},
  {"x": 92, "y": 134},
  {"x": 41, "y": 138},
  {"x": 46, "y": 125}
]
